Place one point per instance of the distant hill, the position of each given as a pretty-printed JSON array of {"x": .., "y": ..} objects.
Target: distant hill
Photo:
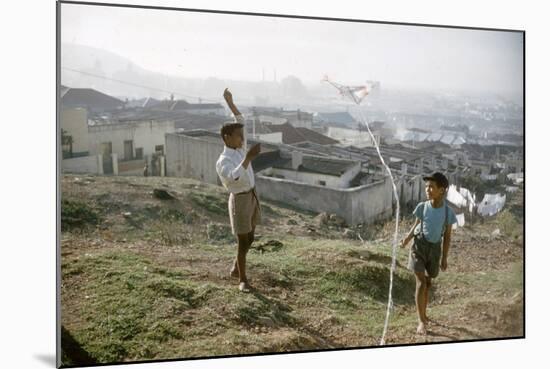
[
  {"x": 92, "y": 62},
  {"x": 91, "y": 58}
]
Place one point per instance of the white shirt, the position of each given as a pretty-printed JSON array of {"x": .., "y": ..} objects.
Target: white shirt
[{"x": 234, "y": 177}]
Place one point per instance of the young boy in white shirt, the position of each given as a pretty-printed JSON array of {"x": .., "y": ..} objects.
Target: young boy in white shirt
[{"x": 234, "y": 168}]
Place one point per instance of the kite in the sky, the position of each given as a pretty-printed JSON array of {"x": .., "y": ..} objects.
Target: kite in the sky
[{"x": 354, "y": 93}]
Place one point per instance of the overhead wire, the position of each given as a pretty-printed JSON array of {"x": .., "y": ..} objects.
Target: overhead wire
[{"x": 151, "y": 88}]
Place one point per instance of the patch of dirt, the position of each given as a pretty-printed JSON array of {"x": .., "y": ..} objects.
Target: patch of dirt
[{"x": 175, "y": 234}]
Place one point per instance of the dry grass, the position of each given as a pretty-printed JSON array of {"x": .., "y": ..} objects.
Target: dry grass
[{"x": 149, "y": 280}]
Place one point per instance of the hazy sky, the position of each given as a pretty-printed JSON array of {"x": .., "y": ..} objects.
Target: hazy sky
[{"x": 240, "y": 47}]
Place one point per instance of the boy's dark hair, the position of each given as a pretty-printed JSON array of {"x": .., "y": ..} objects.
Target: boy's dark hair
[
  {"x": 229, "y": 128},
  {"x": 438, "y": 178}
]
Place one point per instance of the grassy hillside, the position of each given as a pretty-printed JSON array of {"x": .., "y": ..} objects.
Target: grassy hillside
[{"x": 145, "y": 278}]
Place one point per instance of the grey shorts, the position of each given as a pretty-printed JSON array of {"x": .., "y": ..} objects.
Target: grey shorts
[
  {"x": 425, "y": 257},
  {"x": 244, "y": 212}
]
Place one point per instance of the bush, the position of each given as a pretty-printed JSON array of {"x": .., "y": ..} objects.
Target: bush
[
  {"x": 76, "y": 214},
  {"x": 210, "y": 203},
  {"x": 218, "y": 232},
  {"x": 509, "y": 225}
]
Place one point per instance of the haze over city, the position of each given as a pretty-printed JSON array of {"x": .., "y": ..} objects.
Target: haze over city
[{"x": 254, "y": 48}]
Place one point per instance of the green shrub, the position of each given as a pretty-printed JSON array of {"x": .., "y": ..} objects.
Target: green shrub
[
  {"x": 76, "y": 214},
  {"x": 211, "y": 203},
  {"x": 509, "y": 224}
]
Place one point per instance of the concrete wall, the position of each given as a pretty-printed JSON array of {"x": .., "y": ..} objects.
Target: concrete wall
[
  {"x": 196, "y": 158},
  {"x": 271, "y": 119},
  {"x": 410, "y": 190},
  {"x": 276, "y": 137},
  {"x": 75, "y": 122},
  {"x": 309, "y": 178},
  {"x": 84, "y": 164},
  {"x": 363, "y": 204},
  {"x": 131, "y": 167},
  {"x": 192, "y": 157},
  {"x": 144, "y": 135},
  {"x": 371, "y": 202},
  {"x": 213, "y": 111},
  {"x": 352, "y": 136},
  {"x": 405, "y": 189},
  {"x": 350, "y": 174},
  {"x": 315, "y": 178}
]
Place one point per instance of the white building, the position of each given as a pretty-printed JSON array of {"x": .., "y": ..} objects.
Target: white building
[{"x": 315, "y": 183}]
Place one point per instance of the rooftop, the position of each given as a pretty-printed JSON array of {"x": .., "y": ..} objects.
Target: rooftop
[
  {"x": 320, "y": 165},
  {"x": 210, "y": 136},
  {"x": 87, "y": 97},
  {"x": 292, "y": 135},
  {"x": 338, "y": 117},
  {"x": 315, "y": 137}
]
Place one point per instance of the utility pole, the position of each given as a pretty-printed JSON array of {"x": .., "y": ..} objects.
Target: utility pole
[{"x": 254, "y": 123}]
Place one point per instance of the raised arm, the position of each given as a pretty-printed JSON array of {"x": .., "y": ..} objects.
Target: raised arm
[{"x": 229, "y": 100}]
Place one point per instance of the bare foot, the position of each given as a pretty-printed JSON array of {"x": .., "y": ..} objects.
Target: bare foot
[
  {"x": 421, "y": 329},
  {"x": 244, "y": 287}
]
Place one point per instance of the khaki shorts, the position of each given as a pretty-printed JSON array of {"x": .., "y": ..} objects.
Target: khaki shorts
[
  {"x": 244, "y": 212},
  {"x": 425, "y": 257}
]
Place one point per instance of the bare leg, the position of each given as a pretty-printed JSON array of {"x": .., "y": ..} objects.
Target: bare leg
[
  {"x": 420, "y": 293},
  {"x": 234, "y": 273},
  {"x": 241, "y": 261},
  {"x": 250, "y": 238},
  {"x": 235, "y": 268},
  {"x": 427, "y": 298}
]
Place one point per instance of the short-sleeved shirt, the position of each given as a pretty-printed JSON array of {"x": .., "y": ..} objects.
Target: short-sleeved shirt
[{"x": 433, "y": 220}]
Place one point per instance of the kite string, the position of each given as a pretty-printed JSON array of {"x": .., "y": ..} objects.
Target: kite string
[{"x": 395, "y": 236}]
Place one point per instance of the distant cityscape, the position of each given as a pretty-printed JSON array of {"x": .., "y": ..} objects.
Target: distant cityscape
[{"x": 132, "y": 122}]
